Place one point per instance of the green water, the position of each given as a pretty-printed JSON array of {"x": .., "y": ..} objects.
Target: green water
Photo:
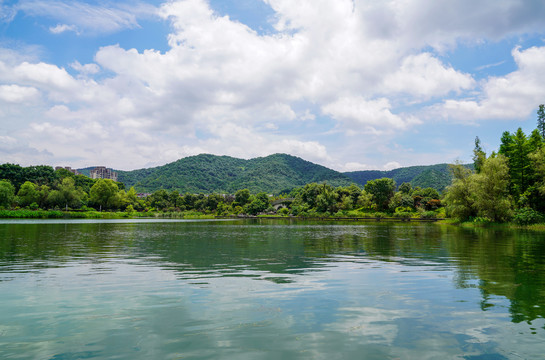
[{"x": 268, "y": 290}]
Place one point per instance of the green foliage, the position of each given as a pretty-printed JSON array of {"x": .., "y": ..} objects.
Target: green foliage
[
  {"x": 428, "y": 215},
  {"x": 491, "y": 190},
  {"x": 435, "y": 176},
  {"x": 541, "y": 120},
  {"x": 382, "y": 191},
  {"x": 405, "y": 188},
  {"x": 459, "y": 198},
  {"x": 28, "y": 194},
  {"x": 223, "y": 174},
  {"x": 242, "y": 197},
  {"x": 527, "y": 216},
  {"x": 104, "y": 195},
  {"x": 17, "y": 175},
  {"x": 484, "y": 195},
  {"x": 7, "y": 193},
  {"x": 478, "y": 155}
]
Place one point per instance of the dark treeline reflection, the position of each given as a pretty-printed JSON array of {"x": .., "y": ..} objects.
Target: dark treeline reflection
[{"x": 504, "y": 263}]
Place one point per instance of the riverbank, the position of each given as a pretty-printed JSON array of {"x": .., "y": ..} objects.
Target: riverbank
[{"x": 58, "y": 214}]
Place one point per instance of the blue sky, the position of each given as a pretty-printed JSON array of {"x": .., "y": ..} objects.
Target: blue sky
[{"x": 349, "y": 84}]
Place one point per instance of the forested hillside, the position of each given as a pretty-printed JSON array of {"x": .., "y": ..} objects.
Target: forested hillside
[
  {"x": 223, "y": 174},
  {"x": 434, "y": 176}
]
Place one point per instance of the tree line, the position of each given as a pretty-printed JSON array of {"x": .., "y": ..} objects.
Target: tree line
[
  {"x": 41, "y": 187},
  {"x": 506, "y": 185}
]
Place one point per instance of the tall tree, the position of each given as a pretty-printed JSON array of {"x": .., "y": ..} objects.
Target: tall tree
[
  {"x": 478, "y": 155},
  {"x": 519, "y": 163},
  {"x": 506, "y": 144},
  {"x": 28, "y": 194},
  {"x": 459, "y": 198},
  {"x": 541, "y": 120},
  {"x": 491, "y": 190},
  {"x": 7, "y": 193},
  {"x": 382, "y": 191},
  {"x": 104, "y": 194}
]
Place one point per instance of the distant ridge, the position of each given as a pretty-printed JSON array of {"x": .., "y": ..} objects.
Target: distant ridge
[
  {"x": 207, "y": 173},
  {"x": 434, "y": 176},
  {"x": 274, "y": 174}
]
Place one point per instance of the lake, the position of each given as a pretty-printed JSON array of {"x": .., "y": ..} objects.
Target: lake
[{"x": 263, "y": 289}]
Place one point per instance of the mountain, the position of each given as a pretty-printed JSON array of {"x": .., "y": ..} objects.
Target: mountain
[
  {"x": 224, "y": 174},
  {"x": 435, "y": 176}
]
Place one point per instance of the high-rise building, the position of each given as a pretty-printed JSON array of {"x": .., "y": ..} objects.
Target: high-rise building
[{"x": 102, "y": 172}]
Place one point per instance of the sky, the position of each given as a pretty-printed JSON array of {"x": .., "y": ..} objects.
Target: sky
[{"x": 348, "y": 84}]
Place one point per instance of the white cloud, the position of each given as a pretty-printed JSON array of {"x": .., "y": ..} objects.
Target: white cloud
[
  {"x": 79, "y": 17},
  {"x": 221, "y": 87},
  {"x": 87, "y": 69},
  {"x": 307, "y": 116},
  {"x": 60, "y": 28},
  {"x": 366, "y": 116},
  {"x": 514, "y": 96},
  {"x": 391, "y": 165},
  {"x": 354, "y": 166},
  {"x": 424, "y": 76},
  {"x": 17, "y": 94}
]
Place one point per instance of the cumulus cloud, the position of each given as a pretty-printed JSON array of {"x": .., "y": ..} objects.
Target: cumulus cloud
[
  {"x": 87, "y": 69},
  {"x": 60, "y": 28},
  {"x": 17, "y": 94},
  {"x": 221, "y": 87},
  {"x": 514, "y": 96},
  {"x": 424, "y": 76},
  {"x": 366, "y": 116}
]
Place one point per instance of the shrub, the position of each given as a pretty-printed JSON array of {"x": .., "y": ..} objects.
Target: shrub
[
  {"x": 402, "y": 215},
  {"x": 428, "y": 215},
  {"x": 527, "y": 216}
]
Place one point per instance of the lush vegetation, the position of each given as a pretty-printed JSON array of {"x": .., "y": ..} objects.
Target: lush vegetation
[
  {"x": 434, "y": 176},
  {"x": 41, "y": 187},
  {"x": 209, "y": 174},
  {"x": 26, "y": 194},
  {"x": 505, "y": 186}
]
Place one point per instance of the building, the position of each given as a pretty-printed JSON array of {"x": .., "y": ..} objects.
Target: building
[
  {"x": 101, "y": 172},
  {"x": 73, "y": 171}
]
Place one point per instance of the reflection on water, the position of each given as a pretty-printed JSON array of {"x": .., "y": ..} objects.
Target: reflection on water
[{"x": 264, "y": 289}]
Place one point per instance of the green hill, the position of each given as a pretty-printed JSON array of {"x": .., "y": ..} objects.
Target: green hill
[
  {"x": 435, "y": 176},
  {"x": 224, "y": 174}
]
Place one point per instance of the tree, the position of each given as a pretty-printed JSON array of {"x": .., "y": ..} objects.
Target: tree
[
  {"x": 71, "y": 196},
  {"x": 491, "y": 190},
  {"x": 258, "y": 204},
  {"x": 28, "y": 194},
  {"x": 7, "y": 193},
  {"x": 405, "y": 188},
  {"x": 506, "y": 144},
  {"x": 310, "y": 193},
  {"x": 160, "y": 199},
  {"x": 459, "y": 198},
  {"x": 478, "y": 155},
  {"x": 538, "y": 163},
  {"x": 519, "y": 164},
  {"x": 326, "y": 199},
  {"x": 541, "y": 120},
  {"x": 104, "y": 194},
  {"x": 13, "y": 173},
  {"x": 242, "y": 197},
  {"x": 382, "y": 191},
  {"x": 365, "y": 200}
]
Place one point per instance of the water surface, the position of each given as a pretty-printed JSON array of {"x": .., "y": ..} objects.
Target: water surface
[{"x": 124, "y": 289}]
